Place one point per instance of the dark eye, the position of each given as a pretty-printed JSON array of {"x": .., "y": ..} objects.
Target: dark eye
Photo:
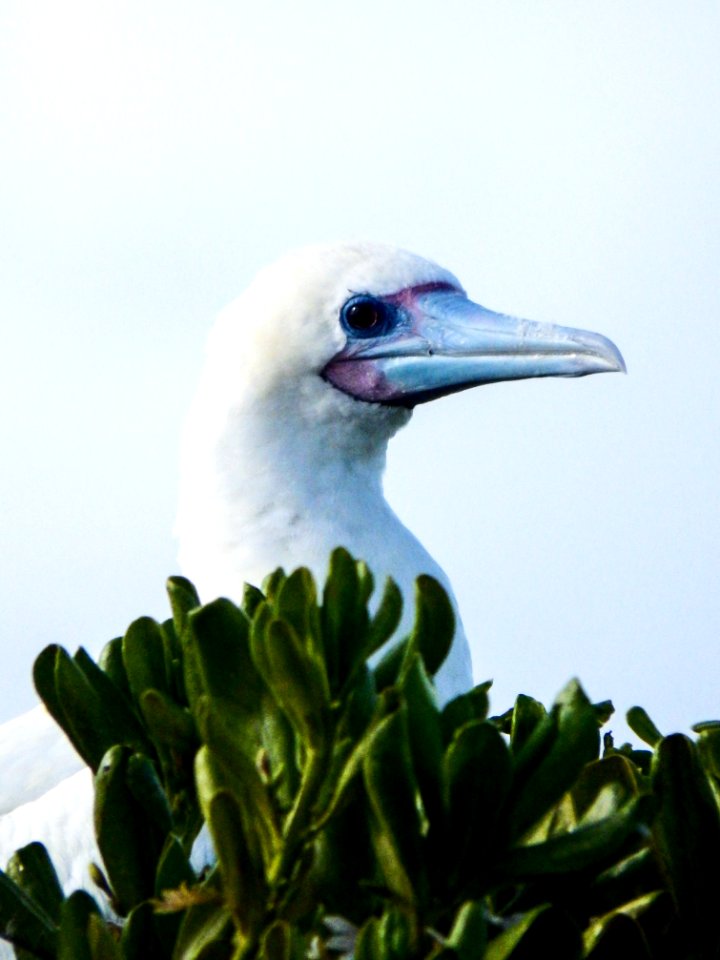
[{"x": 364, "y": 316}]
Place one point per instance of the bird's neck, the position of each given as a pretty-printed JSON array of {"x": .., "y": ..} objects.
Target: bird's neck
[{"x": 277, "y": 486}]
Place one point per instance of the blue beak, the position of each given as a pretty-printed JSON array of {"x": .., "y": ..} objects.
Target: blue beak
[{"x": 440, "y": 342}]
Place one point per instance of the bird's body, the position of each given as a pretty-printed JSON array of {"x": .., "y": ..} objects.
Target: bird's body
[{"x": 307, "y": 377}]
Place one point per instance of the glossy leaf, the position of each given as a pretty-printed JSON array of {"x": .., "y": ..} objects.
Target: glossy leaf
[
  {"x": 344, "y": 617},
  {"x": 73, "y": 940},
  {"x": 526, "y": 717},
  {"x": 477, "y": 772},
  {"x": 543, "y": 932},
  {"x": 169, "y": 724},
  {"x": 395, "y": 823},
  {"x": 552, "y": 757},
  {"x": 221, "y": 645},
  {"x": 32, "y": 870},
  {"x": 183, "y": 598},
  {"x": 588, "y": 847},
  {"x": 386, "y": 619},
  {"x": 128, "y": 841},
  {"x": 641, "y": 724},
  {"x": 143, "y": 651},
  {"x": 434, "y": 626},
  {"x": 619, "y": 936},
  {"x": 298, "y": 681},
  {"x": 243, "y": 881},
  {"x": 468, "y": 937},
  {"x": 24, "y": 922},
  {"x": 472, "y": 705},
  {"x": 425, "y": 736},
  {"x": 687, "y": 831},
  {"x": 85, "y": 702}
]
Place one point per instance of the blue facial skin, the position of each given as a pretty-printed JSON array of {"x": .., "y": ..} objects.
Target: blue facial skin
[{"x": 428, "y": 341}]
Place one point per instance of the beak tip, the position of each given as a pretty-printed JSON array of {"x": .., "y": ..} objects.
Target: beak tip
[{"x": 620, "y": 365}]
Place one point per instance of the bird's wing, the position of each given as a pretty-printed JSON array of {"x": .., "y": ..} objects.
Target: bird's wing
[{"x": 35, "y": 756}]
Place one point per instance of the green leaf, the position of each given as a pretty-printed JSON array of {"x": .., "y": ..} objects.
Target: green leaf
[
  {"x": 344, "y": 618},
  {"x": 434, "y": 626},
  {"x": 111, "y": 663},
  {"x": 395, "y": 822},
  {"x": 86, "y": 704},
  {"x": 425, "y": 737},
  {"x": 183, "y": 598},
  {"x": 468, "y": 937},
  {"x": 218, "y": 768},
  {"x": 619, "y": 936},
  {"x": 139, "y": 938},
  {"x": 145, "y": 786},
  {"x": 472, "y": 705},
  {"x": 526, "y": 717},
  {"x": 387, "y": 669},
  {"x": 251, "y": 600},
  {"x": 543, "y": 932},
  {"x": 297, "y": 605},
  {"x": 614, "y": 777},
  {"x": 206, "y": 930},
  {"x": 272, "y": 583},
  {"x": 221, "y": 646},
  {"x": 388, "y": 938},
  {"x": 603, "y": 711},
  {"x": 298, "y": 682},
  {"x": 641, "y": 724},
  {"x": 103, "y": 944},
  {"x": 624, "y": 881},
  {"x": 174, "y": 868},
  {"x": 477, "y": 772},
  {"x": 73, "y": 941},
  {"x": 244, "y": 887},
  {"x": 32, "y": 870},
  {"x": 687, "y": 834},
  {"x": 347, "y": 758},
  {"x": 708, "y": 744},
  {"x": 588, "y": 847},
  {"x": 24, "y": 922},
  {"x": 277, "y": 942},
  {"x": 128, "y": 840},
  {"x": 143, "y": 650},
  {"x": 552, "y": 757},
  {"x": 386, "y": 619},
  {"x": 168, "y": 724}
]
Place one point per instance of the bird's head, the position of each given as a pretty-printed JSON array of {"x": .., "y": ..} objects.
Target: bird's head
[
  {"x": 361, "y": 331},
  {"x": 307, "y": 376}
]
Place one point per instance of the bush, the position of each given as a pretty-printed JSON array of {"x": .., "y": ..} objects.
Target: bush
[{"x": 348, "y": 813}]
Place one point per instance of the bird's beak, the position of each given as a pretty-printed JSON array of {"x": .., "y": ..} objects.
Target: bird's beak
[{"x": 445, "y": 343}]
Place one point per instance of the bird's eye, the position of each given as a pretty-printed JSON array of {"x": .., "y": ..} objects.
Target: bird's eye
[{"x": 365, "y": 316}]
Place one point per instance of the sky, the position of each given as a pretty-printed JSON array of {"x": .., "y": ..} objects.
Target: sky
[{"x": 561, "y": 157}]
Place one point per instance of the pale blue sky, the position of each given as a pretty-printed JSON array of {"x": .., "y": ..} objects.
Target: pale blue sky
[{"x": 563, "y": 158}]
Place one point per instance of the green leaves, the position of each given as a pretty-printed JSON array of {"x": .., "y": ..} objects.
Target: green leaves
[
  {"x": 347, "y": 811},
  {"x": 687, "y": 835},
  {"x": 549, "y": 756}
]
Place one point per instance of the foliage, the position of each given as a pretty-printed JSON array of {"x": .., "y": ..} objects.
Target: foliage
[{"x": 347, "y": 811}]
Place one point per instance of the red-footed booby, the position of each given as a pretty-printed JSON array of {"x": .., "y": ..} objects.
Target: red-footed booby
[{"x": 307, "y": 377}]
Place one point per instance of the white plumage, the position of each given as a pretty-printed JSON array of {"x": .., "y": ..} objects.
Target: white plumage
[
  {"x": 307, "y": 376},
  {"x": 278, "y": 466}
]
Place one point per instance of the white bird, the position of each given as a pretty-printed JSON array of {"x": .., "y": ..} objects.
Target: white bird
[{"x": 307, "y": 377}]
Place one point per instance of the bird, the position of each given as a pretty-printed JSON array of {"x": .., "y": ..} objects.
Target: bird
[{"x": 307, "y": 376}]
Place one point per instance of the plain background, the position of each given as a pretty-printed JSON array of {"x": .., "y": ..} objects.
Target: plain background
[{"x": 561, "y": 157}]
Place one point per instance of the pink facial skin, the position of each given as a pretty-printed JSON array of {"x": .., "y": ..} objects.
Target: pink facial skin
[{"x": 363, "y": 378}]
